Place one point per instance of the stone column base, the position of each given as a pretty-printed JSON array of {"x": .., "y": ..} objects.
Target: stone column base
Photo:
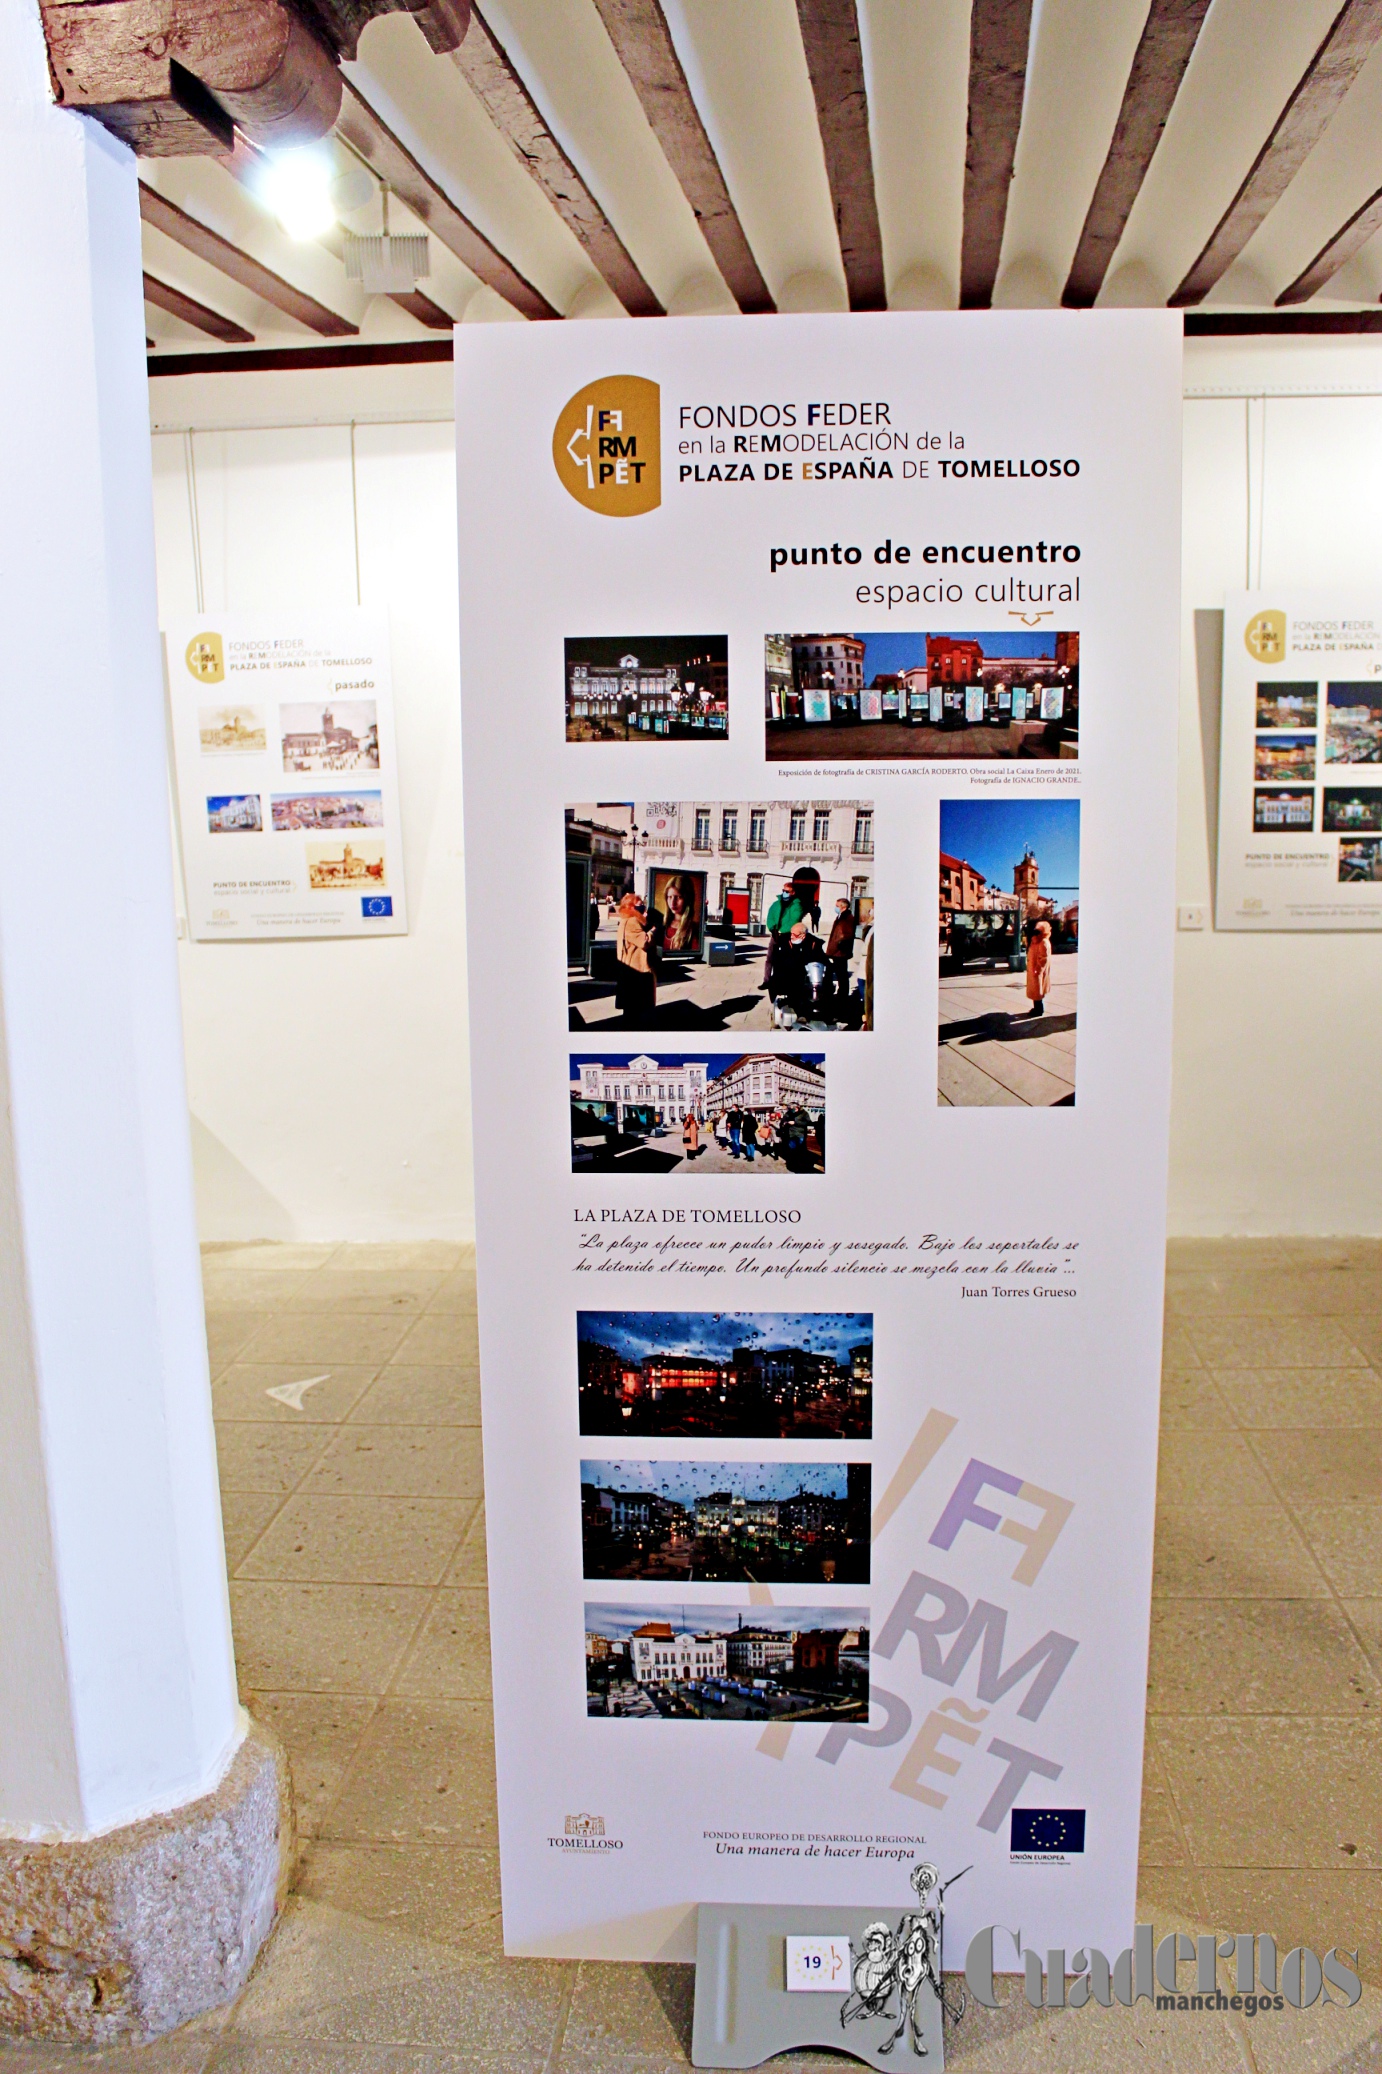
[{"x": 136, "y": 1931}]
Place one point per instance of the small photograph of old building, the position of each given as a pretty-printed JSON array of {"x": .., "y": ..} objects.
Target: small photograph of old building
[
  {"x": 654, "y": 687},
  {"x": 727, "y": 1663},
  {"x": 232, "y": 730},
  {"x": 334, "y": 867},
  {"x": 327, "y": 810},
  {"x": 343, "y": 736},
  {"x": 1284, "y": 757}
]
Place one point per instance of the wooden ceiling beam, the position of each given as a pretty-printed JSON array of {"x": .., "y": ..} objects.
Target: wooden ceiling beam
[
  {"x": 835, "y": 62},
  {"x": 206, "y": 244},
  {"x": 370, "y": 137},
  {"x": 999, "y": 31},
  {"x": 1336, "y": 252},
  {"x": 164, "y": 296},
  {"x": 511, "y": 108},
  {"x": 638, "y": 30},
  {"x": 1163, "y": 52},
  {"x": 1352, "y": 38}
]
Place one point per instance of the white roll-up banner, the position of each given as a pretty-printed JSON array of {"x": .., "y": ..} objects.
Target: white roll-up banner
[{"x": 819, "y": 687}]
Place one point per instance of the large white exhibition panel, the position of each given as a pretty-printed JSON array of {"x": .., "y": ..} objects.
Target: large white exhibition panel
[{"x": 1006, "y": 1238}]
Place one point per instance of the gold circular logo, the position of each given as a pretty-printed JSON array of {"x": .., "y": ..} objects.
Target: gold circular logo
[
  {"x": 1264, "y": 637},
  {"x": 607, "y": 446},
  {"x": 206, "y": 658}
]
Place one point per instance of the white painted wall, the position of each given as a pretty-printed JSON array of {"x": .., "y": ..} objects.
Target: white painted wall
[{"x": 329, "y": 1081}]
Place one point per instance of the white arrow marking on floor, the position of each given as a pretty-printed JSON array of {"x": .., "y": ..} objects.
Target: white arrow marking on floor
[{"x": 292, "y": 1394}]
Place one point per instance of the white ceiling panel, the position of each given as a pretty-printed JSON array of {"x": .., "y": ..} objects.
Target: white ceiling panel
[
  {"x": 916, "y": 62},
  {"x": 747, "y": 73}
]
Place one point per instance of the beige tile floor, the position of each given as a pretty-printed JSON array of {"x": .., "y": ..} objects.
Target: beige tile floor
[{"x": 354, "y": 1533}]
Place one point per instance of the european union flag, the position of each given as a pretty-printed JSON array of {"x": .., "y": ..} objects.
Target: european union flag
[
  {"x": 374, "y": 906},
  {"x": 1056, "y": 1830}
]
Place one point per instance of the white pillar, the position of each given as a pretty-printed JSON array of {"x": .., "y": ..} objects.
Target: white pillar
[{"x": 117, "y": 1685}]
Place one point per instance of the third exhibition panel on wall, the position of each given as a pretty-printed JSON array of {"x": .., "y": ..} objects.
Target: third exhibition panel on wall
[{"x": 1300, "y": 771}]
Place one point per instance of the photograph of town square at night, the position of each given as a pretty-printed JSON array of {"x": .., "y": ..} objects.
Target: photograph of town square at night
[
  {"x": 748, "y": 1375},
  {"x": 727, "y": 1522},
  {"x": 676, "y": 1662}
]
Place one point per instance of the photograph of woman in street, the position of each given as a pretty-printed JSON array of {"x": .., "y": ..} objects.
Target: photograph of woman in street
[{"x": 635, "y": 986}]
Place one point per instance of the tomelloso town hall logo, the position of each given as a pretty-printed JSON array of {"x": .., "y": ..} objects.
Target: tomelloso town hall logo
[{"x": 607, "y": 446}]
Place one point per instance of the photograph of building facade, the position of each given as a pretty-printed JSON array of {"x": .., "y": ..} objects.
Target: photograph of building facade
[
  {"x": 629, "y": 688},
  {"x": 1287, "y": 705},
  {"x": 717, "y": 1663},
  {"x": 1284, "y": 756},
  {"x": 1283, "y": 810},
  {"x": 330, "y": 738},
  {"x": 727, "y": 1522},
  {"x": 739, "y": 854},
  {"x": 234, "y": 813},
  {"x": 232, "y": 730},
  {"x": 951, "y": 695},
  {"x": 1009, "y": 960},
  {"x": 1354, "y": 731},
  {"x": 331, "y": 866},
  {"x": 1352, "y": 810},
  {"x": 751, "y": 1375},
  {"x": 646, "y": 1113}
]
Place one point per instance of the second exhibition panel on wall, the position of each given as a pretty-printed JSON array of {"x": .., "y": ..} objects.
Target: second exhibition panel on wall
[{"x": 287, "y": 775}]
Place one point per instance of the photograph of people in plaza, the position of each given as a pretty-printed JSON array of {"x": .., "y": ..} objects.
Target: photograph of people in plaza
[
  {"x": 328, "y": 810},
  {"x": 1352, "y": 810},
  {"x": 720, "y": 915},
  {"x": 740, "y": 1375},
  {"x": 727, "y": 1663},
  {"x": 727, "y": 1522},
  {"x": 232, "y": 730},
  {"x": 732, "y": 1113},
  {"x": 234, "y": 813},
  {"x": 1284, "y": 756},
  {"x": 648, "y": 687},
  {"x": 1284, "y": 812},
  {"x": 1360, "y": 863},
  {"x": 339, "y": 737},
  {"x": 890, "y": 696},
  {"x": 1287, "y": 705},
  {"x": 1009, "y": 952},
  {"x": 1353, "y": 733}
]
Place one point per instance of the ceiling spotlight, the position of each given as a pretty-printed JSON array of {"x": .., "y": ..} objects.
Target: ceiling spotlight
[{"x": 297, "y": 187}]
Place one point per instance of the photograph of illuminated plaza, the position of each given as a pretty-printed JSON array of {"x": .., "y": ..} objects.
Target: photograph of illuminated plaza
[
  {"x": 727, "y": 1522},
  {"x": 751, "y": 1375}
]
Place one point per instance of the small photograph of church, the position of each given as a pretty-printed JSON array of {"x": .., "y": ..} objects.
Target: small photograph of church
[
  {"x": 232, "y": 730},
  {"x": 671, "y": 1661},
  {"x": 643, "y": 688},
  {"x": 1008, "y": 942},
  {"x": 342, "y": 736},
  {"x": 342, "y": 866}
]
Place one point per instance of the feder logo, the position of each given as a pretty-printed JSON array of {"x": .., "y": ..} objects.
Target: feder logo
[
  {"x": 206, "y": 658},
  {"x": 1264, "y": 637},
  {"x": 607, "y": 446}
]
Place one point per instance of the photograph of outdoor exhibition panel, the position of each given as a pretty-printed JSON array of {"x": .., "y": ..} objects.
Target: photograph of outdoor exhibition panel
[
  {"x": 727, "y": 1522},
  {"x": 718, "y": 1663},
  {"x": 718, "y": 1375},
  {"x": 648, "y": 687},
  {"x": 720, "y": 915},
  {"x": 760, "y": 1112},
  {"x": 891, "y": 696},
  {"x": 1009, "y": 943}
]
